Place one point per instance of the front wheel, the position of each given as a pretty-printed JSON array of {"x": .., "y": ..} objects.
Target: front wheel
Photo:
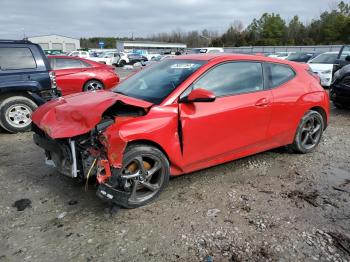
[
  {"x": 145, "y": 173},
  {"x": 15, "y": 113},
  {"x": 309, "y": 132}
]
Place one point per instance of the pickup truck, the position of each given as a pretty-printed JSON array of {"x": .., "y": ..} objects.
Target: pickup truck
[{"x": 340, "y": 87}]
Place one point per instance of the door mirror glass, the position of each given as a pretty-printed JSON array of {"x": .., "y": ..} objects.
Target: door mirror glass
[
  {"x": 347, "y": 58},
  {"x": 199, "y": 95}
]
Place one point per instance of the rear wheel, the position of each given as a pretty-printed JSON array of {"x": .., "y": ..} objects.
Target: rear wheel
[
  {"x": 15, "y": 113},
  {"x": 309, "y": 132},
  {"x": 145, "y": 172},
  {"x": 92, "y": 85}
]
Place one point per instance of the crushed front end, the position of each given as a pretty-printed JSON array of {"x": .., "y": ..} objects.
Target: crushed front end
[{"x": 81, "y": 154}]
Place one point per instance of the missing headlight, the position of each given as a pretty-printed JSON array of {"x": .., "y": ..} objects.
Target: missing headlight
[{"x": 102, "y": 126}]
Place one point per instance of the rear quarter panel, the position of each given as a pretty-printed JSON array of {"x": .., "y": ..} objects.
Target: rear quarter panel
[{"x": 291, "y": 101}]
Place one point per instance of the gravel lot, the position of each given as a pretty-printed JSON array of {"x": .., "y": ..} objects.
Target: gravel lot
[{"x": 272, "y": 206}]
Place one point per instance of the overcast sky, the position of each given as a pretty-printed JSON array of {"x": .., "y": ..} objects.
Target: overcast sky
[{"x": 85, "y": 18}]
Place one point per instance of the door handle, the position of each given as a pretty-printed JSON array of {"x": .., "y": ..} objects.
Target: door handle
[{"x": 262, "y": 102}]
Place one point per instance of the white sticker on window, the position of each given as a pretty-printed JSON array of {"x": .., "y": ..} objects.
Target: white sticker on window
[{"x": 182, "y": 66}]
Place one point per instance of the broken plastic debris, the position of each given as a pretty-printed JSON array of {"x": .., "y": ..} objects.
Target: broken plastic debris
[{"x": 62, "y": 215}]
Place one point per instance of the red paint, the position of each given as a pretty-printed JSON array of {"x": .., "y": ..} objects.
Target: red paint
[
  {"x": 103, "y": 166},
  {"x": 72, "y": 80},
  {"x": 199, "y": 95},
  {"x": 78, "y": 113},
  {"x": 228, "y": 128}
]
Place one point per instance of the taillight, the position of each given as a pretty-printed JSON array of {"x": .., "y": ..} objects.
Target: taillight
[{"x": 52, "y": 75}]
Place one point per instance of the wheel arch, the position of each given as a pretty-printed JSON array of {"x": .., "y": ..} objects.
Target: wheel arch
[
  {"x": 323, "y": 114},
  {"x": 149, "y": 143},
  {"x": 25, "y": 94}
]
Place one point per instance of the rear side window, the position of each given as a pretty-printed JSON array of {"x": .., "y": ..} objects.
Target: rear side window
[
  {"x": 279, "y": 74},
  {"x": 64, "y": 63},
  {"x": 12, "y": 58},
  {"x": 232, "y": 78}
]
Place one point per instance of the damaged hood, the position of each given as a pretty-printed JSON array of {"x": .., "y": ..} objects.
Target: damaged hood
[{"x": 77, "y": 114}]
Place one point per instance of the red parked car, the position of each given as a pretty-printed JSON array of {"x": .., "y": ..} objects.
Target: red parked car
[
  {"x": 178, "y": 116},
  {"x": 74, "y": 74}
]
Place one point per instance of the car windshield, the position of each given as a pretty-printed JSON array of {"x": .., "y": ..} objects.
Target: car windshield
[
  {"x": 155, "y": 83},
  {"x": 325, "y": 58}
]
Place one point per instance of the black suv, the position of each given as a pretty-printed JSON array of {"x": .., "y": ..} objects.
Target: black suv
[
  {"x": 340, "y": 88},
  {"x": 26, "y": 81}
]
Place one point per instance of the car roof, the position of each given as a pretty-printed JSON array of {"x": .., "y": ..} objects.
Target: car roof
[
  {"x": 63, "y": 56},
  {"x": 75, "y": 57},
  {"x": 226, "y": 56}
]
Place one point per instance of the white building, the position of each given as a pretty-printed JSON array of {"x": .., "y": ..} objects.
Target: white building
[
  {"x": 150, "y": 46},
  {"x": 56, "y": 42}
]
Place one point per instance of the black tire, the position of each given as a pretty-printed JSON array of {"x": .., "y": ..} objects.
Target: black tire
[
  {"x": 122, "y": 63},
  {"x": 146, "y": 152},
  {"x": 309, "y": 132},
  {"x": 93, "y": 85},
  {"x": 15, "y": 113}
]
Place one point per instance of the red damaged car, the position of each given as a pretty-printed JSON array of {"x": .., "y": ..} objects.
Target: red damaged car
[
  {"x": 74, "y": 74},
  {"x": 178, "y": 116}
]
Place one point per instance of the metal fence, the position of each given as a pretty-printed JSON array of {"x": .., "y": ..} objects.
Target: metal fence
[{"x": 274, "y": 49}]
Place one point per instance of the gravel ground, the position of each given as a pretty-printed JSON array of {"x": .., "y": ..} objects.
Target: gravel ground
[{"x": 272, "y": 206}]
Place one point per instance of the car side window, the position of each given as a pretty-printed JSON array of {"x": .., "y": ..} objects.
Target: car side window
[
  {"x": 232, "y": 78},
  {"x": 14, "y": 58},
  {"x": 63, "y": 63},
  {"x": 279, "y": 74},
  {"x": 345, "y": 52}
]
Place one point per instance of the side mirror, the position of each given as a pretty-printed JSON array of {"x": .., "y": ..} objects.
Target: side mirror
[
  {"x": 347, "y": 58},
  {"x": 199, "y": 95}
]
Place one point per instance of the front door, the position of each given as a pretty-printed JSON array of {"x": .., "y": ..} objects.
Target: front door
[{"x": 236, "y": 121}]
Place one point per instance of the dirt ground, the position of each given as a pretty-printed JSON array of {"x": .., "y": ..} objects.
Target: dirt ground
[{"x": 274, "y": 206}]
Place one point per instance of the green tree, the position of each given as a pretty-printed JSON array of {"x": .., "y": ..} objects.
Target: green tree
[{"x": 296, "y": 32}]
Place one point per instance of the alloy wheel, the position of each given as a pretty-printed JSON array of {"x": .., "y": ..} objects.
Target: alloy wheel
[
  {"x": 143, "y": 177},
  {"x": 311, "y": 132},
  {"x": 94, "y": 85},
  {"x": 18, "y": 115}
]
